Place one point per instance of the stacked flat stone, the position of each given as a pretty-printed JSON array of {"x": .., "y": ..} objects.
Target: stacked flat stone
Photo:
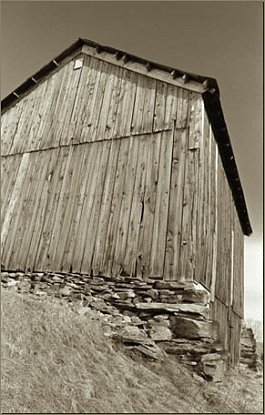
[
  {"x": 248, "y": 350},
  {"x": 151, "y": 317}
]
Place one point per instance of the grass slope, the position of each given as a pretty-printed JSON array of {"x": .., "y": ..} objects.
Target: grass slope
[{"x": 55, "y": 361}]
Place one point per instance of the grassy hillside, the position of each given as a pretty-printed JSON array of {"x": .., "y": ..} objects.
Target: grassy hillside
[{"x": 56, "y": 361}]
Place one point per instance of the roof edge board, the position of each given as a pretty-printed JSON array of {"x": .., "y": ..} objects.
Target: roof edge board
[
  {"x": 144, "y": 69},
  {"x": 215, "y": 114},
  {"x": 211, "y": 82},
  {"x": 195, "y": 82},
  {"x": 41, "y": 75}
]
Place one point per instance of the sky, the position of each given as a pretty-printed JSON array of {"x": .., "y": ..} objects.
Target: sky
[{"x": 223, "y": 40}]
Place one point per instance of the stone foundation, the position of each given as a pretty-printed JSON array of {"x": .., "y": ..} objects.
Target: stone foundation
[
  {"x": 248, "y": 350},
  {"x": 151, "y": 317}
]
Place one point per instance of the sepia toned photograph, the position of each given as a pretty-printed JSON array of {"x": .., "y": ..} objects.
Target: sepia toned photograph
[{"x": 132, "y": 207}]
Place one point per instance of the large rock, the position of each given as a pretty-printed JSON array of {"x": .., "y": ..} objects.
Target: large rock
[
  {"x": 198, "y": 295},
  {"x": 161, "y": 322},
  {"x": 133, "y": 335},
  {"x": 213, "y": 370},
  {"x": 202, "y": 310},
  {"x": 158, "y": 332},
  {"x": 176, "y": 285},
  {"x": 151, "y": 351},
  {"x": 171, "y": 298},
  {"x": 188, "y": 347},
  {"x": 124, "y": 295},
  {"x": 151, "y": 293},
  {"x": 189, "y": 328},
  {"x": 57, "y": 278},
  {"x": 161, "y": 317}
]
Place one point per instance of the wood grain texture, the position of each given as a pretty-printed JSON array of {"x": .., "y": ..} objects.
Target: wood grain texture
[
  {"x": 161, "y": 208},
  {"x": 98, "y": 101},
  {"x": 110, "y": 171},
  {"x": 11, "y": 217},
  {"x": 178, "y": 178},
  {"x": 125, "y": 209}
]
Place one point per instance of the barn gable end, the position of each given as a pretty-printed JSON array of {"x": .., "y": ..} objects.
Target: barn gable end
[{"x": 114, "y": 167}]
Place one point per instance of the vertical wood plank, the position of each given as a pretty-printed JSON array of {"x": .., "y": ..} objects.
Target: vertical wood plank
[
  {"x": 162, "y": 202},
  {"x": 11, "y": 215},
  {"x": 99, "y": 99},
  {"x": 152, "y": 171},
  {"x": 183, "y": 108},
  {"x": 83, "y": 98},
  {"x": 86, "y": 115},
  {"x": 137, "y": 118},
  {"x": 39, "y": 174},
  {"x": 98, "y": 263},
  {"x": 31, "y": 132},
  {"x": 126, "y": 106},
  {"x": 149, "y": 105},
  {"x": 90, "y": 172},
  {"x": 133, "y": 257},
  {"x": 55, "y": 181},
  {"x": 80, "y": 187},
  {"x": 125, "y": 208},
  {"x": 50, "y": 260},
  {"x": 13, "y": 136},
  {"x": 64, "y": 235},
  {"x": 116, "y": 97},
  {"x": 115, "y": 210},
  {"x": 160, "y": 106},
  {"x": 23, "y": 224},
  {"x": 9, "y": 170},
  {"x": 68, "y": 104},
  {"x": 5, "y": 131},
  {"x": 50, "y": 162},
  {"x": 175, "y": 206},
  {"x": 99, "y": 178},
  {"x": 50, "y": 131},
  {"x": 67, "y": 209},
  {"x": 106, "y": 104}
]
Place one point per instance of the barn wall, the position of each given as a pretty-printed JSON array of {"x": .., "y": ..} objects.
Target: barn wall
[
  {"x": 146, "y": 187},
  {"x": 129, "y": 113}
]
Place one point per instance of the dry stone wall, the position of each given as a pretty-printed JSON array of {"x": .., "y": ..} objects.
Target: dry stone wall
[
  {"x": 151, "y": 317},
  {"x": 248, "y": 352}
]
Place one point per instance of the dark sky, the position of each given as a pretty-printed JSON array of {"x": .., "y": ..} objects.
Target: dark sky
[{"x": 219, "y": 39}]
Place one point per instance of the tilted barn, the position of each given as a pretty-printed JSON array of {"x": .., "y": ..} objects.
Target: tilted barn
[{"x": 112, "y": 164}]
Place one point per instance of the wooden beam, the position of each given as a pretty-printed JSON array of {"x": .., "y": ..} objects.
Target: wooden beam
[{"x": 141, "y": 69}]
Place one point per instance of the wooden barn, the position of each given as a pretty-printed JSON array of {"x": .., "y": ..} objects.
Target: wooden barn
[{"x": 112, "y": 164}]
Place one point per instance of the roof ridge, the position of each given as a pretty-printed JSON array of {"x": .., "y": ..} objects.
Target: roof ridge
[{"x": 207, "y": 82}]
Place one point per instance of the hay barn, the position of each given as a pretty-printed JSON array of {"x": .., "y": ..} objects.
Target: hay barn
[{"x": 112, "y": 164}]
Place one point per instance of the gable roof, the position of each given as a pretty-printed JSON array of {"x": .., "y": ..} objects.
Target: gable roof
[{"x": 208, "y": 87}]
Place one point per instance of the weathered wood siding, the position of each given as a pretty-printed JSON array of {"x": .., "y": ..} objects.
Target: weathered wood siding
[
  {"x": 107, "y": 170},
  {"x": 98, "y": 102}
]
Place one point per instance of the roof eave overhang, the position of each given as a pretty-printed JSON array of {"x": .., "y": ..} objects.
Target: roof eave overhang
[
  {"x": 40, "y": 75},
  {"x": 215, "y": 114}
]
